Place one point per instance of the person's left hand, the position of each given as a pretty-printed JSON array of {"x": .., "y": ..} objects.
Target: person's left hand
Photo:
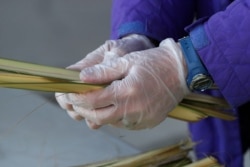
[{"x": 144, "y": 87}]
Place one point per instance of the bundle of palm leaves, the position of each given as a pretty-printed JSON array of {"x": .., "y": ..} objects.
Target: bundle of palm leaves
[
  {"x": 24, "y": 75},
  {"x": 175, "y": 155}
]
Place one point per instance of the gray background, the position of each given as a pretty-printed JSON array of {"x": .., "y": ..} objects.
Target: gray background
[{"x": 34, "y": 131}]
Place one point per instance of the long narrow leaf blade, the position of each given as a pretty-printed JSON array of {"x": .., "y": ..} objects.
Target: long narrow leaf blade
[
  {"x": 54, "y": 87},
  {"x": 36, "y": 69}
]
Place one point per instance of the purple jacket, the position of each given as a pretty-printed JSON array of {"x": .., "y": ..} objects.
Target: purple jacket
[{"x": 221, "y": 36}]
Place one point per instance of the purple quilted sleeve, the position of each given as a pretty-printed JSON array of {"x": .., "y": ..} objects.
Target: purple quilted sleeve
[
  {"x": 223, "y": 43},
  {"x": 154, "y": 18}
]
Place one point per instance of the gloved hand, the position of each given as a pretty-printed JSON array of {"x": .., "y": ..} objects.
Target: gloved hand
[
  {"x": 145, "y": 86},
  {"x": 111, "y": 48}
]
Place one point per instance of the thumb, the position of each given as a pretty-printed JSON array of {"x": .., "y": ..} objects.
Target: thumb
[{"x": 105, "y": 72}]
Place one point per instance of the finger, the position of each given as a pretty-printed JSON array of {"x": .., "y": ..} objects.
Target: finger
[
  {"x": 80, "y": 100},
  {"x": 86, "y": 62},
  {"x": 105, "y": 105},
  {"x": 100, "y": 116},
  {"x": 94, "y": 99},
  {"x": 106, "y": 72},
  {"x": 110, "y": 55},
  {"x": 92, "y": 125},
  {"x": 63, "y": 102},
  {"x": 75, "y": 115},
  {"x": 92, "y": 58},
  {"x": 97, "y": 56}
]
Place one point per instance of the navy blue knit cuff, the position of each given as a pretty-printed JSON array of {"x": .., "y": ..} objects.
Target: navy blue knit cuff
[
  {"x": 131, "y": 28},
  {"x": 198, "y": 34}
]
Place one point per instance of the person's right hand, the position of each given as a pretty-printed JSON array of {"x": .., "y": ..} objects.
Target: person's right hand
[{"x": 113, "y": 48}]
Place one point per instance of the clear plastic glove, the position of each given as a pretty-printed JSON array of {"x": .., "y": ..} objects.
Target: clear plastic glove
[
  {"x": 114, "y": 48},
  {"x": 145, "y": 86},
  {"x": 111, "y": 48}
]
